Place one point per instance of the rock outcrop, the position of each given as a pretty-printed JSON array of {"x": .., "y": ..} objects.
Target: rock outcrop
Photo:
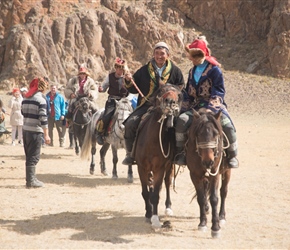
[{"x": 53, "y": 38}]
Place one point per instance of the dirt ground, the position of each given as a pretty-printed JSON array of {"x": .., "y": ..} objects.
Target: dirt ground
[{"x": 76, "y": 210}]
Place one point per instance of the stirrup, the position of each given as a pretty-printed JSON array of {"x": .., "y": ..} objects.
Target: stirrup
[{"x": 180, "y": 159}]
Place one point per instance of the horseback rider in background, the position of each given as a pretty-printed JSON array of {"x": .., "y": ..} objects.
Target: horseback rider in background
[
  {"x": 116, "y": 90},
  {"x": 80, "y": 86}
]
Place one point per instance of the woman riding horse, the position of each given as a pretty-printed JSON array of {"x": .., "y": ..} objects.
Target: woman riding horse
[{"x": 205, "y": 89}]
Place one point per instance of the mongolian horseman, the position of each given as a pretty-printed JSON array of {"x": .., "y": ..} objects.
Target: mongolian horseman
[{"x": 80, "y": 86}]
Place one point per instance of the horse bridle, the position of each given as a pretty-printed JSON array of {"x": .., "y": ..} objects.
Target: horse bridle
[
  {"x": 214, "y": 145},
  {"x": 204, "y": 145},
  {"x": 168, "y": 111},
  {"x": 79, "y": 107}
]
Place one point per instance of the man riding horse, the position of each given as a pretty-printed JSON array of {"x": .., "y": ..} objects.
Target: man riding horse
[
  {"x": 116, "y": 90},
  {"x": 80, "y": 86},
  {"x": 145, "y": 82}
]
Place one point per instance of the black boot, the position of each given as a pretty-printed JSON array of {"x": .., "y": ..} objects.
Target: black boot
[
  {"x": 100, "y": 138},
  {"x": 129, "y": 160},
  {"x": 233, "y": 162},
  {"x": 180, "y": 158},
  {"x": 232, "y": 159},
  {"x": 31, "y": 181}
]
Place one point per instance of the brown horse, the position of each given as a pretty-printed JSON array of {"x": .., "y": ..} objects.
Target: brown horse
[
  {"x": 154, "y": 148},
  {"x": 206, "y": 163}
]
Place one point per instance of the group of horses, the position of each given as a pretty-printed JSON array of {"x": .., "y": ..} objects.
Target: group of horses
[{"x": 154, "y": 151}]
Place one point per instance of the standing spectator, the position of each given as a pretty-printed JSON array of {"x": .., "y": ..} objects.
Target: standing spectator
[
  {"x": 34, "y": 110},
  {"x": 16, "y": 118},
  {"x": 3, "y": 129},
  {"x": 69, "y": 125},
  {"x": 57, "y": 113}
]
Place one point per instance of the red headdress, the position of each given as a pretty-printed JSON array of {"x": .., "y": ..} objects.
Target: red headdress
[
  {"x": 37, "y": 84},
  {"x": 199, "y": 51}
]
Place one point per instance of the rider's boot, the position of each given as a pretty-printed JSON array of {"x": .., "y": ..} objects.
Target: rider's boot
[
  {"x": 232, "y": 159},
  {"x": 129, "y": 160},
  {"x": 232, "y": 150},
  {"x": 100, "y": 132},
  {"x": 31, "y": 180},
  {"x": 181, "y": 138}
]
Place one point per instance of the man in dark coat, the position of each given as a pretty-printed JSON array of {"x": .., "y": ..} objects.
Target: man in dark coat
[{"x": 146, "y": 80}]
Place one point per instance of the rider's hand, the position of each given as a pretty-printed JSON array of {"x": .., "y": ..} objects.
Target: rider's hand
[
  {"x": 101, "y": 89},
  {"x": 47, "y": 139},
  {"x": 72, "y": 96},
  {"x": 128, "y": 76},
  {"x": 62, "y": 118}
]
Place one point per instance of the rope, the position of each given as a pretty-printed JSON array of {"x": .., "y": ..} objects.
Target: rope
[{"x": 161, "y": 120}]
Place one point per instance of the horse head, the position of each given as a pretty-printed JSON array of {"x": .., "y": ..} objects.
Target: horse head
[
  {"x": 83, "y": 104},
  {"x": 168, "y": 99},
  {"x": 82, "y": 112},
  {"x": 208, "y": 136}
]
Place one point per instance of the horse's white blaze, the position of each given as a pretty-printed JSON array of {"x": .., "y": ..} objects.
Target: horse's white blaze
[
  {"x": 169, "y": 212},
  {"x": 155, "y": 221}
]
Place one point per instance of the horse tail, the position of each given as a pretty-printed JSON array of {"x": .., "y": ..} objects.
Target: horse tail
[{"x": 87, "y": 143}]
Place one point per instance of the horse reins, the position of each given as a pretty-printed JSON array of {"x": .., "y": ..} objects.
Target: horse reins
[
  {"x": 78, "y": 123},
  {"x": 214, "y": 145}
]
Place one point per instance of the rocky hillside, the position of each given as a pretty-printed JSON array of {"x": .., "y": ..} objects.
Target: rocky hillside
[{"x": 52, "y": 37}]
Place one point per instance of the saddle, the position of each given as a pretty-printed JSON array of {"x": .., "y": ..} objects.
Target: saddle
[{"x": 100, "y": 124}]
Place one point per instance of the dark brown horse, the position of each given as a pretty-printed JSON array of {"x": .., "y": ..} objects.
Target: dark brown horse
[
  {"x": 206, "y": 163},
  {"x": 154, "y": 149}
]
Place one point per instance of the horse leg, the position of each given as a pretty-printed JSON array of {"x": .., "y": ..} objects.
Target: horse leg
[
  {"x": 145, "y": 193},
  {"x": 168, "y": 181},
  {"x": 93, "y": 152},
  {"x": 103, "y": 152},
  {"x": 154, "y": 192},
  {"x": 201, "y": 192},
  {"x": 215, "y": 228},
  {"x": 223, "y": 193},
  {"x": 115, "y": 161},
  {"x": 77, "y": 149},
  {"x": 130, "y": 178}
]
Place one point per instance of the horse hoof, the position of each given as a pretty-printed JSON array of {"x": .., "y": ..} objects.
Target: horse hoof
[
  {"x": 222, "y": 222},
  {"x": 130, "y": 179},
  {"x": 92, "y": 172},
  {"x": 202, "y": 228},
  {"x": 104, "y": 173},
  {"x": 169, "y": 212},
  {"x": 215, "y": 234},
  {"x": 155, "y": 221},
  {"x": 115, "y": 177}
]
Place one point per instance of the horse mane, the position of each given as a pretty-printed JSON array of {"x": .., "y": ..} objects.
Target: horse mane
[{"x": 207, "y": 117}]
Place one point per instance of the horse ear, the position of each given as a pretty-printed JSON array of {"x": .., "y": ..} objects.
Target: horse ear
[{"x": 218, "y": 115}]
